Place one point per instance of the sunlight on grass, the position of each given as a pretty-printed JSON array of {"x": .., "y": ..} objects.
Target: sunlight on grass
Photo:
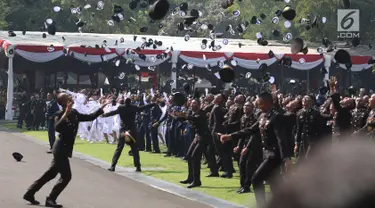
[{"x": 173, "y": 169}]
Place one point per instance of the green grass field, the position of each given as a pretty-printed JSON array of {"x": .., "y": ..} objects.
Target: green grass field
[{"x": 173, "y": 169}]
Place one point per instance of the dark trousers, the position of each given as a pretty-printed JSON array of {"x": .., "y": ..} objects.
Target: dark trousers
[
  {"x": 37, "y": 120},
  {"x": 144, "y": 133},
  {"x": 265, "y": 172},
  {"x": 51, "y": 132},
  {"x": 21, "y": 117},
  {"x": 154, "y": 138},
  {"x": 248, "y": 164},
  {"x": 29, "y": 118},
  {"x": 171, "y": 140},
  {"x": 120, "y": 147},
  {"x": 225, "y": 152},
  {"x": 194, "y": 157},
  {"x": 43, "y": 122},
  {"x": 141, "y": 141},
  {"x": 60, "y": 164}
]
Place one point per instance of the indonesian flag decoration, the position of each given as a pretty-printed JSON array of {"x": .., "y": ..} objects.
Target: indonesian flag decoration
[
  {"x": 203, "y": 59},
  {"x": 147, "y": 58},
  {"x": 93, "y": 55},
  {"x": 38, "y": 53},
  {"x": 359, "y": 63},
  {"x": 305, "y": 62},
  {"x": 253, "y": 60}
]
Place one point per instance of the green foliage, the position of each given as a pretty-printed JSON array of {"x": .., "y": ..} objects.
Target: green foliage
[{"x": 20, "y": 15}]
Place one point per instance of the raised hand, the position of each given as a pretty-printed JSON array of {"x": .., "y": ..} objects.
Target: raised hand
[{"x": 68, "y": 108}]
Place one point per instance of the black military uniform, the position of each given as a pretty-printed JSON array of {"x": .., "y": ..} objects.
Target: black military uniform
[
  {"x": 369, "y": 129},
  {"x": 232, "y": 124},
  {"x": 127, "y": 114},
  {"x": 62, "y": 150},
  {"x": 52, "y": 109},
  {"x": 155, "y": 116},
  {"x": 359, "y": 118},
  {"x": 38, "y": 107},
  {"x": 216, "y": 121},
  {"x": 252, "y": 159},
  {"x": 342, "y": 120},
  {"x": 197, "y": 147},
  {"x": 23, "y": 110},
  {"x": 275, "y": 150},
  {"x": 309, "y": 131}
]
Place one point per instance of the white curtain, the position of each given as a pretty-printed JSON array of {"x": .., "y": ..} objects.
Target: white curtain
[{"x": 40, "y": 57}]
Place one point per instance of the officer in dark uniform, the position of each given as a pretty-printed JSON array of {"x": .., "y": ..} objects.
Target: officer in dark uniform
[
  {"x": 52, "y": 109},
  {"x": 66, "y": 123},
  {"x": 359, "y": 114},
  {"x": 250, "y": 149},
  {"x": 127, "y": 114},
  {"x": 38, "y": 107},
  {"x": 369, "y": 129},
  {"x": 275, "y": 149},
  {"x": 215, "y": 124},
  {"x": 198, "y": 146},
  {"x": 169, "y": 140},
  {"x": 155, "y": 116},
  {"x": 309, "y": 129},
  {"x": 29, "y": 116},
  {"x": 23, "y": 109},
  {"x": 144, "y": 131},
  {"x": 342, "y": 113},
  {"x": 232, "y": 124}
]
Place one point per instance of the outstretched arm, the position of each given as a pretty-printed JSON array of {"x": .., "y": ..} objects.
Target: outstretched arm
[{"x": 142, "y": 108}]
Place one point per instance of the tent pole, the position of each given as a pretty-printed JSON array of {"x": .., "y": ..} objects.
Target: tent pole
[
  {"x": 174, "y": 60},
  {"x": 9, "y": 107}
]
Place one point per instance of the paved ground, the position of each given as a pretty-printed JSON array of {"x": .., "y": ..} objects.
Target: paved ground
[{"x": 91, "y": 186}]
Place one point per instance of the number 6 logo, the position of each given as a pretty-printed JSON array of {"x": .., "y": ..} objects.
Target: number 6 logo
[{"x": 347, "y": 18}]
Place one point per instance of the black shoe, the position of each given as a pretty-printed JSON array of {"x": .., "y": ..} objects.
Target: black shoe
[
  {"x": 244, "y": 190},
  {"x": 156, "y": 152},
  {"x": 167, "y": 155},
  {"x": 213, "y": 175},
  {"x": 52, "y": 203},
  {"x": 130, "y": 153},
  {"x": 30, "y": 198},
  {"x": 194, "y": 184},
  {"x": 239, "y": 190},
  {"x": 138, "y": 169},
  {"x": 49, "y": 152},
  {"x": 111, "y": 169},
  {"x": 226, "y": 175},
  {"x": 187, "y": 181}
]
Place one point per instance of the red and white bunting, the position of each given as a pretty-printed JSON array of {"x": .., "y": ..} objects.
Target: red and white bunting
[
  {"x": 253, "y": 60},
  {"x": 359, "y": 63},
  {"x": 305, "y": 62},
  {"x": 202, "y": 59},
  {"x": 93, "y": 55},
  {"x": 39, "y": 54},
  {"x": 151, "y": 57}
]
